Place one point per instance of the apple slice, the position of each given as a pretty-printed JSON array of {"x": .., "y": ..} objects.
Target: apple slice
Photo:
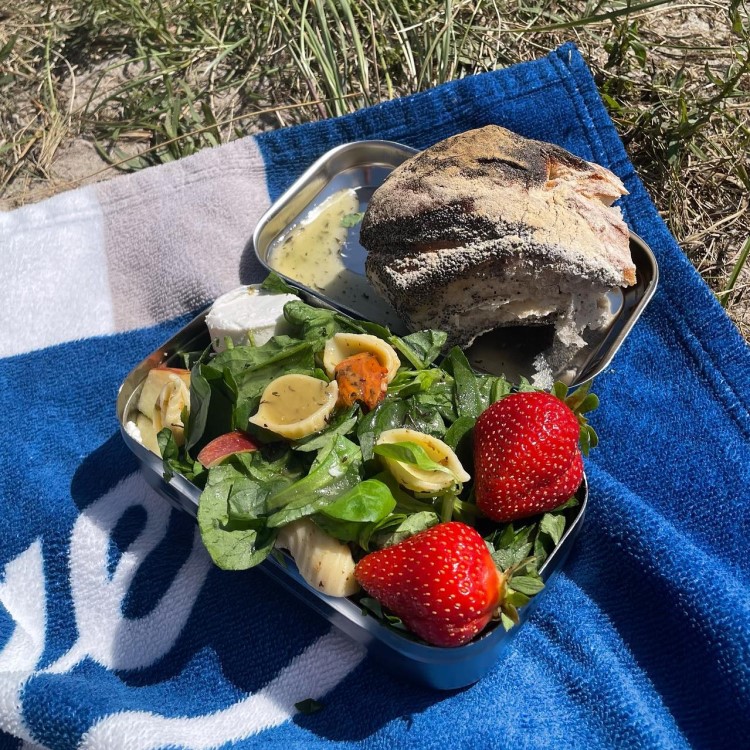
[
  {"x": 220, "y": 448},
  {"x": 152, "y": 386}
]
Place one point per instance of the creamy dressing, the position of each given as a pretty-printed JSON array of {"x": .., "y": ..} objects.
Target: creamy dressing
[
  {"x": 325, "y": 256},
  {"x": 311, "y": 253},
  {"x": 296, "y": 405},
  {"x": 293, "y": 399}
]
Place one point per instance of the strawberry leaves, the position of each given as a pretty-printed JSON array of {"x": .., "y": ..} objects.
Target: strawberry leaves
[
  {"x": 520, "y": 551},
  {"x": 581, "y": 402}
]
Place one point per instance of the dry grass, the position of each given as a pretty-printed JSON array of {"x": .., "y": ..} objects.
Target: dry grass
[{"x": 91, "y": 88}]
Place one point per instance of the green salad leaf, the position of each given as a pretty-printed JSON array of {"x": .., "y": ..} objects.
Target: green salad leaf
[
  {"x": 232, "y": 544},
  {"x": 274, "y": 283},
  {"x": 213, "y": 393},
  {"x": 335, "y": 470}
]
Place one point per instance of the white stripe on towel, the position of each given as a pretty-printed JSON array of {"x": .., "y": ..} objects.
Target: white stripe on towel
[
  {"x": 53, "y": 273},
  {"x": 22, "y": 593},
  {"x": 312, "y": 674}
]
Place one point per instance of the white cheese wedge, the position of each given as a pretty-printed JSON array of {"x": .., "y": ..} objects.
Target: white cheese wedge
[
  {"x": 344, "y": 345},
  {"x": 324, "y": 562},
  {"x": 247, "y": 314},
  {"x": 295, "y": 406},
  {"x": 420, "y": 480}
]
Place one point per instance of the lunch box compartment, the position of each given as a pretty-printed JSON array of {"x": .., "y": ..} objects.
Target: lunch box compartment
[
  {"x": 363, "y": 166},
  {"x": 440, "y": 668}
]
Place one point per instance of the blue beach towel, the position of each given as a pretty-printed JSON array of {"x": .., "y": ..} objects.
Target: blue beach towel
[{"x": 116, "y": 631}]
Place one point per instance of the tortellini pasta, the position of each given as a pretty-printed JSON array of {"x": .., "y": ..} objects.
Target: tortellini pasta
[
  {"x": 420, "y": 480},
  {"x": 295, "y": 406},
  {"x": 344, "y": 345},
  {"x": 324, "y": 562}
]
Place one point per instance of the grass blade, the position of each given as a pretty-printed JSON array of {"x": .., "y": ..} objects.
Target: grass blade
[{"x": 736, "y": 271}]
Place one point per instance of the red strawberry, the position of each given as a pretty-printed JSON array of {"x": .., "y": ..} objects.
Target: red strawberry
[
  {"x": 441, "y": 582},
  {"x": 526, "y": 455}
]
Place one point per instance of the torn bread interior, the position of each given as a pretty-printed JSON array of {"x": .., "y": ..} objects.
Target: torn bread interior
[{"x": 489, "y": 229}]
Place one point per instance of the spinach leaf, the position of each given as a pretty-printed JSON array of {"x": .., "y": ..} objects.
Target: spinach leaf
[
  {"x": 277, "y": 349},
  {"x": 370, "y": 500},
  {"x": 500, "y": 388},
  {"x": 417, "y": 412},
  {"x": 213, "y": 393},
  {"x": 364, "y": 326},
  {"x": 274, "y": 283},
  {"x": 458, "y": 431},
  {"x": 176, "y": 461},
  {"x": 342, "y": 424},
  {"x": 410, "y": 382},
  {"x": 247, "y": 499},
  {"x": 253, "y": 379},
  {"x": 405, "y": 502},
  {"x": 421, "y": 415},
  {"x": 270, "y": 463},
  {"x": 313, "y": 324},
  {"x": 422, "y": 348},
  {"x": 335, "y": 470},
  {"x": 232, "y": 545},
  {"x": 356, "y": 514},
  {"x": 408, "y": 526},
  {"x": 439, "y": 399},
  {"x": 388, "y": 415},
  {"x": 258, "y": 479},
  {"x": 468, "y": 398}
]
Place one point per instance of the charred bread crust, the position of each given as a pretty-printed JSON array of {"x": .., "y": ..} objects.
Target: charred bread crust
[{"x": 469, "y": 203}]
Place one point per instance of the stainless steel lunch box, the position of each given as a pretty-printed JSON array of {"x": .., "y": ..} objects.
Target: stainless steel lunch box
[
  {"x": 363, "y": 166},
  {"x": 441, "y": 668}
]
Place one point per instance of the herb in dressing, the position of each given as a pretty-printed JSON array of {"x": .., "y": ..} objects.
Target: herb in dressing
[{"x": 323, "y": 253}]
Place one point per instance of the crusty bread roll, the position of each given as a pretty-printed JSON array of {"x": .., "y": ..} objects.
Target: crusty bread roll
[{"x": 489, "y": 229}]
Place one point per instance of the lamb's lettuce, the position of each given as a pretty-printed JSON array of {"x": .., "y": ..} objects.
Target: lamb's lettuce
[{"x": 335, "y": 470}]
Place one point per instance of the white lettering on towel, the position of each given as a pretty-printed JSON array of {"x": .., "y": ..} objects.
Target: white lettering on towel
[
  {"x": 117, "y": 642},
  {"x": 23, "y": 596},
  {"x": 104, "y": 633},
  {"x": 312, "y": 674}
]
